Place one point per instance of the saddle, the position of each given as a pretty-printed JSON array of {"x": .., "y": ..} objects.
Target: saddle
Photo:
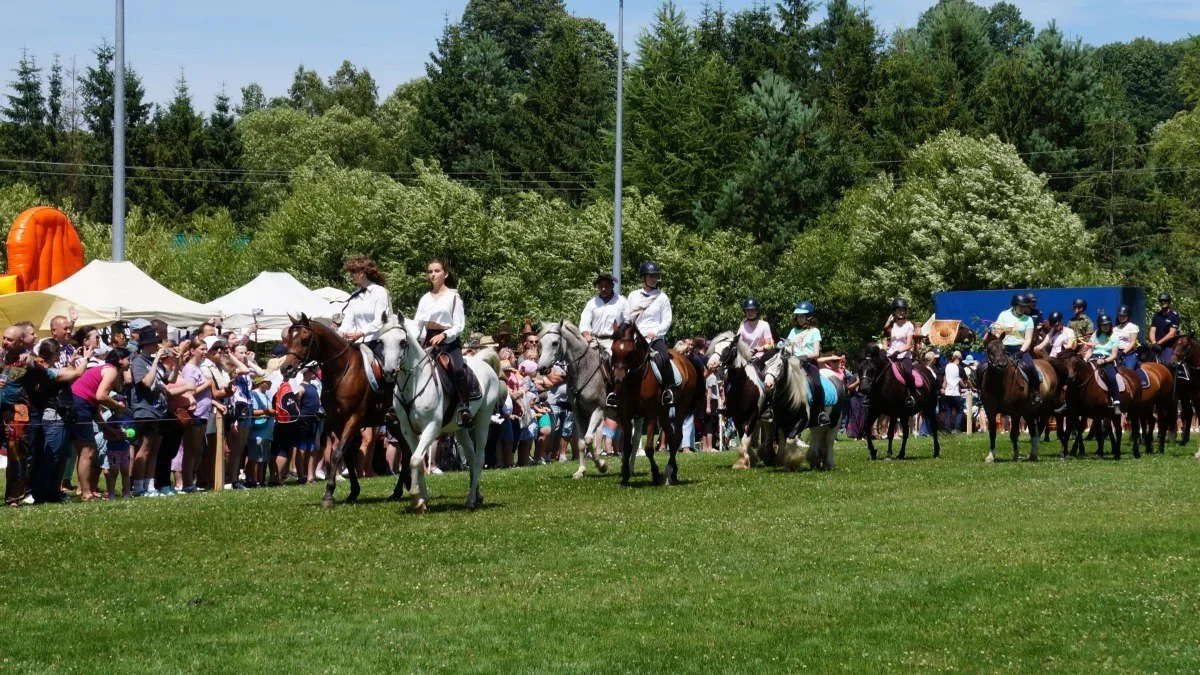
[
  {"x": 829, "y": 391},
  {"x": 372, "y": 366},
  {"x": 445, "y": 375},
  {"x": 918, "y": 379},
  {"x": 1120, "y": 381},
  {"x": 674, "y": 369}
]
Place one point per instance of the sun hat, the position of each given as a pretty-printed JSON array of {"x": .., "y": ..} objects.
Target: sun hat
[
  {"x": 212, "y": 341},
  {"x": 138, "y": 323},
  {"x": 528, "y": 367},
  {"x": 147, "y": 336}
]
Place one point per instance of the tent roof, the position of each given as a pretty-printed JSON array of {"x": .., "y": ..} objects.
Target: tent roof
[
  {"x": 40, "y": 307},
  {"x": 122, "y": 291},
  {"x": 268, "y": 300},
  {"x": 333, "y": 294}
]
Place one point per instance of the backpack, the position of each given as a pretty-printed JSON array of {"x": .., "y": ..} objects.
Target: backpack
[{"x": 287, "y": 408}]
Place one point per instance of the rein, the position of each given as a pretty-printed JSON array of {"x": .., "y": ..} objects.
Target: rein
[
  {"x": 407, "y": 405},
  {"x": 562, "y": 357},
  {"x": 307, "y": 357}
]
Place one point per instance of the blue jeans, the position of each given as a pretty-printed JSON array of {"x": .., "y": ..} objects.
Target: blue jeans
[
  {"x": 1109, "y": 372},
  {"x": 953, "y": 406},
  {"x": 1130, "y": 361},
  {"x": 1026, "y": 361},
  {"x": 51, "y": 445},
  {"x": 1167, "y": 354},
  {"x": 689, "y": 432}
]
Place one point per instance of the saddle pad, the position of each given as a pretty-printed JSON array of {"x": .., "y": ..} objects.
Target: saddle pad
[
  {"x": 828, "y": 392},
  {"x": 1100, "y": 381},
  {"x": 370, "y": 365},
  {"x": 1143, "y": 378},
  {"x": 474, "y": 391},
  {"x": 674, "y": 369},
  {"x": 918, "y": 381}
]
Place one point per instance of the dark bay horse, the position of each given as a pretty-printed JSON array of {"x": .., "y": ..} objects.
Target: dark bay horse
[
  {"x": 745, "y": 395},
  {"x": 1186, "y": 361},
  {"x": 1005, "y": 391},
  {"x": 1086, "y": 400},
  {"x": 350, "y": 404},
  {"x": 886, "y": 394},
  {"x": 1157, "y": 403},
  {"x": 639, "y": 395}
]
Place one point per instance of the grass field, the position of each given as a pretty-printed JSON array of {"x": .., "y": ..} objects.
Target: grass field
[{"x": 900, "y": 566}]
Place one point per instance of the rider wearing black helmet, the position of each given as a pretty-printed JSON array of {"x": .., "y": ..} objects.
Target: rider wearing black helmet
[
  {"x": 1104, "y": 354},
  {"x": 1018, "y": 331},
  {"x": 900, "y": 332},
  {"x": 1033, "y": 312},
  {"x": 1080, "y": 323},
  {"x": 1164, "y": 329},
  {"x": 1058, "y": 338},
  {"x": 754, "y": 332},
  {"x": 649, "y": 309},
  {"x": 1126, "y": 333}
]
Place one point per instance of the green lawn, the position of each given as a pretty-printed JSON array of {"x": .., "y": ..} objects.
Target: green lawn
[{"x": 900, "y": 566}]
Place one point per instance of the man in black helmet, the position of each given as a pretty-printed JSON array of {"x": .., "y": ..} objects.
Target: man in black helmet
[
  {"x": 1032, "y": 310},
  {"x": 1164, "y": 329},
  {"x": 649, "y": 309},
  {"x": 1080, "y": 323}
]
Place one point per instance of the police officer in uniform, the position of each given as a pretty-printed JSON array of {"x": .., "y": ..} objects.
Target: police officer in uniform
[{"x": 1164, "y": 329}]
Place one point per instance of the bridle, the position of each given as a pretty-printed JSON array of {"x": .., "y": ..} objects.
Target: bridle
[
  {"x": 408, "y": 374},
  {"x": 561, "y": 356},
  {"x": 307, "y": 357}
]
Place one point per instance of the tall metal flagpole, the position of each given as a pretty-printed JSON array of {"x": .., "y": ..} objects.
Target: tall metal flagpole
[
  {"x": 118, "y": 203},
  {"x": 616, "y": 271}
]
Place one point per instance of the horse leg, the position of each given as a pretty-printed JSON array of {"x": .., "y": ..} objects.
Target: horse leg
[
  {"x": 891, "y": 434},
  {"x": 474, "y": 442},
  {"x": 904, "y": 430},
  {"x": 1014, "y": 434},
  {"x": 335, "y": 459},
  {"x": 933, "y": 428},
  {"x": 626, "y": 441},
  {"x": 991, "y": 424},
  {"x": 650, "y": 447},
  {"x": 1106, "y": 427},
  {"x": 1035, "y": 436},
  {"x": 1186, "y": 409},
  {"x": 594, "y": 437},
  {"x": 870, "y": 427},
  {"x": 674, "y": 440},
  {"x": 416, "y": 466}
]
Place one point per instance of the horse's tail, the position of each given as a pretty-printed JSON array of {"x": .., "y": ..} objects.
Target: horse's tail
[{"x": 490, "y": 357}]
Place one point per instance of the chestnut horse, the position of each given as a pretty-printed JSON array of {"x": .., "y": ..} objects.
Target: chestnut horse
[
  {"x": 350, "y": 404},
  {"x": 1005, "y": 391},
  {"x": 886, "y": 394},
  {"x": 639, "y": 395},
  {"x": 1086, "y": 400},
  {"x": 1157, "y": 404}
]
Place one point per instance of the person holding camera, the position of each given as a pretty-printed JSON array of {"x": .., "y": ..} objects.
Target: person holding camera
[{"x": 148, "y": 402}]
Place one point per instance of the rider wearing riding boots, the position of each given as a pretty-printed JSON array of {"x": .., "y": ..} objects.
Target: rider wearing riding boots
[
  {"x": 900, "y": 333},
  {"x": 601, "y": 313},
  {"x": 649, "y": 309},
  {"x": 804, "y": 341},
  {"x": 1104, "y": 354},
  {"x": 1059, "y": 337},
  {"x": 1126, "y": 333},
  {"x": 1080, "y": 323},
  {"x": 1018, "y": 330},
  {"x": 1164, "y": 329},
  {"x": 442, "y": 319},
  {"x": 367, "y": 309}
]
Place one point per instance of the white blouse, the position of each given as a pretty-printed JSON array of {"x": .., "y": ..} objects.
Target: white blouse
[
  {"x": 599, "y": 316},
  {"x": 446, "y": 310},
  {"x": 650, "y": 312},
  {"x": 365, "y": 312}
]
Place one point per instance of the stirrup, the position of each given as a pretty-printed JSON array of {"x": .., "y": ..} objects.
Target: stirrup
[
  {"x": 464, "y": 416},
  {"x": 668, "y": 397},
  {"x": 767, "y": 415},
  {"x": 910, "y": 402},
  {"x": 1062, "y": 409},
  {"x": 823, "y": 419},
  {"x": 610, "y": 401}
]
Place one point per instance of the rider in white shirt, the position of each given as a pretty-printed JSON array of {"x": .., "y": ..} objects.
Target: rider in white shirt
[
  {"x": 367, "y": 309},
  {"x": 649, "y": 309},
  {"x": 601, "y": 313},
  {"x": 442, "y": 318}
]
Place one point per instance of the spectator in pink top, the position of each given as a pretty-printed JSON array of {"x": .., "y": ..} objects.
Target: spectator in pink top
[
  {"x": 92, "y": 390},
  {"x": 754, "y": 332}
]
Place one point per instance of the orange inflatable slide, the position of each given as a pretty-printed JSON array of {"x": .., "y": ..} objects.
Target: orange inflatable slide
[{"x": 43, "y": 249}]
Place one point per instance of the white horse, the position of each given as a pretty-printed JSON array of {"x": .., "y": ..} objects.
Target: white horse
[
  {"x": 562, "y": 343},
  {"x": 423, "y": 406},
  {"x": 793, "y": 413}
]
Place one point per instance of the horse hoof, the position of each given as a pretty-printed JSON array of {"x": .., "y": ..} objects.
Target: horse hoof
[
  {"x": 577, "y": 475},
  {"x": 602, "y": 466},
  {"x": 989, "y": 459},
  {"x": 740, "y": 464},
  {"x": 327, "y": 503},
  {"x": 419, "y": 506}
]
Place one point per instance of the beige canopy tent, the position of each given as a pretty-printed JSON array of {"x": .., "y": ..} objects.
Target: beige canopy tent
[
  {"x": 333, "y": 295},
  {"x": 268, "y": 300},
  {"x": 119, "y": 290},
  {"x": 41, "y": 307}
]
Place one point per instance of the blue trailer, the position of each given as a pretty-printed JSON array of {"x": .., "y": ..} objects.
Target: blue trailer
[{"x": 973, "y": 308}]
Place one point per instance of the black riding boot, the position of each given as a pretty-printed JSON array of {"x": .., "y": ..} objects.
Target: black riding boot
[
  {"x": 818, "y": 392},
  {"x": 668, "y": 382},
  {"x": 911, "y": 385},
  {"x": 463, "y": 387},
  {"x": 1035, "y": 381}
]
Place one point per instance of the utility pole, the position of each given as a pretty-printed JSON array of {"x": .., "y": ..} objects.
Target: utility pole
[
  {"x": 616, "y": 270},
  {"x": 118, "y": 203}
]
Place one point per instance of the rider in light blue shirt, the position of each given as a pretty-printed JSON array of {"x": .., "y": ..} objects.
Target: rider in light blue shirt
[{"x": 1018, "y": 331}]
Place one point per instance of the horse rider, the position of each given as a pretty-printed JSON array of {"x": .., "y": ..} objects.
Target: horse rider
[
  {"x": 1034, "y": 313},
  {"x": 1126, "y": 333},
  {"x": 367, "y": 310},
  {"x": 1103, "y": 346},
  {"x": 442, "y": 319},
  {"x": 601, "y": 313},
  {"x": 900, "y": 333},
  {"x": 754, "y": 332},
  {"x": 1058, "y": 338},
  {"x": 1080, "y": 323},
  {"x": 1164, "y": 329},
  {"x": 649, "y": 309},
  {"x": 1018, "y": 330},
  {"x": 804, "y": 341}
]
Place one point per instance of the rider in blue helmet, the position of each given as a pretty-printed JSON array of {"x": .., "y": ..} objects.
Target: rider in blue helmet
[{"x": 804, "y": 341}]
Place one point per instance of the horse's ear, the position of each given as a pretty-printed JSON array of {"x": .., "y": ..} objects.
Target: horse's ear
[
  {"x": 291, "y": 318},
  {"x": 304, "y": 319}
]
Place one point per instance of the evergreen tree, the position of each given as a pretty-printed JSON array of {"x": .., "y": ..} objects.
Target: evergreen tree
[
  {"x": 98, "y": 110},
  {"x": 179, "y": 144},
  {"x": 308, "y": 93},
  {"x": 222, "y": 156},
  {"x": 26, "y": 136}
]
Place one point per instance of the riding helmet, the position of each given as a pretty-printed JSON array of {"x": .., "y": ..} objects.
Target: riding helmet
[
  {"x": 1031, "y": 298},
  {"x": 1103, "y": 319},
  {"x": 1123, "y": 310},
  {"x": 899, "y": 303},
  {"x": 749, "y": 304},
  {"x": 649, "y": 267},
  {"x": 1080, "y": 303},
  {"x": 1056, "y": 318},
  {"x": 1020, "y": 300},
  {"x": 1164, "y": 297},
  {"x": 604, "y": 276},
  {"x": 804, "y": 308}
]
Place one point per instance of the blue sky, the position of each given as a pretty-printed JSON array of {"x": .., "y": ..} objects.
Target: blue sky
[{"x": 232, "y": 43}]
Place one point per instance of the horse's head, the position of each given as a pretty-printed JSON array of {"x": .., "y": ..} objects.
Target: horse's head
[
  {"x": 722, "y": 352},
  {"x": 553, "y": 349},
  {"x": 300, "y": 341},
  {"x": 965, "y": 336},
  {"x": 872, "y": 361},
  {"x": 394, "y": 339},
  {"x": 996, "y": 356},
  {"x": 630, "y": 352},
  {"x": 1185, "y": 350},
  {"x": 1075, "y": 366}
]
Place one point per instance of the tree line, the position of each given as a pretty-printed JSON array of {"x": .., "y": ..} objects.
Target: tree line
[{"x": 767, "y": 154}]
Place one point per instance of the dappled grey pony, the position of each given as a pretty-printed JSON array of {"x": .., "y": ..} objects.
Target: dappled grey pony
[{"x": 586, "y": 386}]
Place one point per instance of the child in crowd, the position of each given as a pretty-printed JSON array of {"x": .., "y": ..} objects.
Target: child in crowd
[
  {"x": 116, "y": 433},
  {"x": 261, "y": 432}
]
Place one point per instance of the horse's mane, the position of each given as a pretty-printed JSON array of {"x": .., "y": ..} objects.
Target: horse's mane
[
  {"x": 743, "y": 352},
  {"x": 794, "y": 383}
]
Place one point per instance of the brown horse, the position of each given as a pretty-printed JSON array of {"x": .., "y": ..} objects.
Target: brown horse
[
  {"x": 1157, "y": 403},
  {"x": 1086, "y": 400},
  {"x": 1186, "y": 362},
  {"x": 1005, "y": 391},
  {"x": 350, "y": 404},
  {"x": 639, "y": 395},
  {"x": 886, "y": 394}
]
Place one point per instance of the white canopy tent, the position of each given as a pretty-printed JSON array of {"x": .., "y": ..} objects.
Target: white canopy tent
[
  {"x": 119, "y": 290},
  {"x": 40, "y": 308},
  {"x": 331, "y": 294},
  {"x": 268, "y": 300}
]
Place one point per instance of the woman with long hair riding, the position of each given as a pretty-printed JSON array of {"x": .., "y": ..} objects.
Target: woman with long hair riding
[
  {"x": 900, "y": 332},
  {"x": 755, "y": 332},
  {"x": 367, "y": 309},
  {"x": 805, "y": 342},
  {"x": 442, "y": 319}
]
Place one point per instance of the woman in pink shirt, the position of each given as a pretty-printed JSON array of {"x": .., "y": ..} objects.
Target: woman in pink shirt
[
  {"x": 754, "y": 332},
  {"x": 92, "y": 390},
  {"x": 900, "y": 333}
]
